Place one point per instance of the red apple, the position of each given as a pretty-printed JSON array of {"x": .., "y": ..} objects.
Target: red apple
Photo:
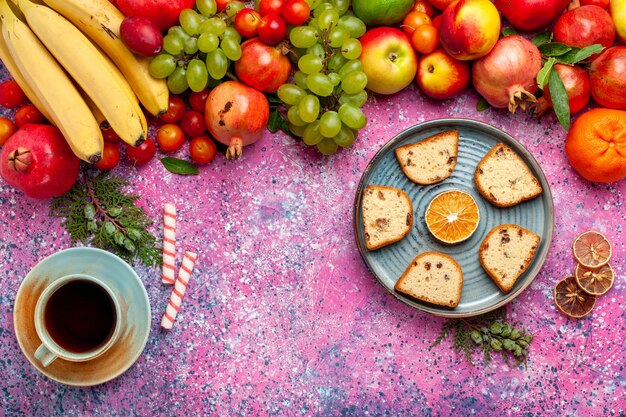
[
  {"x": 584, "y": 26},
  {"x": 441, "y": 76},
  {"x": 164, "y": 13},
  {"x": 607, "y": 76},
  {"x": 469, "y": 28},
  {"x": 530, "y": 14},
  {"x": 388, "y": 59}
]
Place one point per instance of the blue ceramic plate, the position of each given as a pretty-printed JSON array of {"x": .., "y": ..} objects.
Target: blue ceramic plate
[
  {"x": 121, "y": 278},
  {"x": 480, "y": 294}
]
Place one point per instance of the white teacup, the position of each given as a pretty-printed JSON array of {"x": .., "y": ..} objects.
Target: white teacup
[{"x": 71, "y": 319}]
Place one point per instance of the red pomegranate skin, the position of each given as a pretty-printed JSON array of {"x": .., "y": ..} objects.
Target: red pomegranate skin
[
  {"x": 262, "y": 66},
  {"x": 607, "y": 75},
  {"x": 530, "y": 15},
  {"x": 584, "y": 26},
  {"x": 576, "y": 82},
  {"x": 38, "y": 161}
]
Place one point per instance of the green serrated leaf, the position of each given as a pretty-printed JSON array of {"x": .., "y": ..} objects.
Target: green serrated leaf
[
  {"x": 560, "y": 101},
  {"x": 482, "y": 104},
  {"x": 544, "y": 73},
  {"x": 554, "y": 49},
  {"x": 508, "y": 32},
  {"x": 541, "y": 38},
  {"x": 577, "y": 55},
  {"x": 178, "y": 166}
]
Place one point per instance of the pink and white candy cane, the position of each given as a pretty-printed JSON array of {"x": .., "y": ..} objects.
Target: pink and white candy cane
[
  {"x": 169, "y": 243},
  {"x": 179, "y": 290}
]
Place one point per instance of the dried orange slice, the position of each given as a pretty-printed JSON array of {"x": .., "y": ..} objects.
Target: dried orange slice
[
  {"x": 595, "y": 281},
  {"x": 591, "y": 249},
  {"x": 452, "y": 216},
  {"x": 571, "y": 299}
]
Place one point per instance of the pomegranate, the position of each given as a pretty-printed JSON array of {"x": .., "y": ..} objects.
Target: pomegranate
[
  {"x": 530, "y": 14},
  {"x": 236, "y": 115},
  {"x": 38, "y": 161},
  {"x": 262, "y": 66},
  {"x": 608, "y": 78},
  {"x": 506, "y": 77},
  {"x": 576, "y": 82},
  {"x": 164, "y": 13},
  {"x": 584, "y": 26}
]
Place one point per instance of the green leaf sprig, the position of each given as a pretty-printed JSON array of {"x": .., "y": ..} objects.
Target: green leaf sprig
[
  {"x": 97, "y": 211},
  {"x": 490, "y": 334}
]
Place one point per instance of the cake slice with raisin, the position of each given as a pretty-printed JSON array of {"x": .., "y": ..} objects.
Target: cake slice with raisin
[
  {"x": 430, "y": 160},
  {"x": 387, "y": 215}
]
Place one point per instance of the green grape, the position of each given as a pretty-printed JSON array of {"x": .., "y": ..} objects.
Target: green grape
[
  {"x": 352, "y": 116},
  {"x": 351, "y": 48},
  {"x": 327, "y": 146},
  {"x": 348, "y": 67},
  {"x": 190, "y": 21},
  {"x": 217, "y": 64},
  {"x": 207, "y": 7},
  {"x": 357, "y": 99},
  {"x": 215, "y": 25},
  {"x": 355, "y": 26},
  {"x": 338, "y": 36},
  {"x": 300, "y": 78},
  {"x": 197, "y": 75},
  {"x": 231, "y": 32},
  {"x": 191, "y": 45},
  {"x": 303, "y": 36},
  {"x": 290, "y": 94},
  {"x": 297, "y": 130},
  {"x": 345, "y": 138},
  {"x": 162, "y": 65},
  {"x": 173, "y": 44},
  {"x": 309, "y": 108},
  {"x": 310, "y": 64},
  {"x": 319, "y": 84},
  {"x": 317, "y": 50},
  {"x": 330, "y": 124},
  {"x": 314, "y": 3},
  {"x": 177, "y": 81},
  {"x": 335, "y": 62},
  {"x": 293, "y": 115},
  {"x": 328, "y": 19},
  {"x": 354, "y": 82},
  {"x": 313, "y": 23},
  {"x": 321, "y": 9},
  {"x": 341, "y": 6},
  {"x": 233, "y": 8},
  {"x": 311, "y": 135},
  {"x": 334, "y": 78},
  {"x": 179, "y": 31},
  {"x": 208, "y": 42},
  {"x": 231, "y": 48}
]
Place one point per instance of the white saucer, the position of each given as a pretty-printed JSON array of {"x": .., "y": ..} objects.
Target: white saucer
[{"x": 121, "y": 278}]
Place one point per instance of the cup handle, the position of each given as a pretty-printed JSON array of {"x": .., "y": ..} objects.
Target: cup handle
[{"x": 43, "y": 355}]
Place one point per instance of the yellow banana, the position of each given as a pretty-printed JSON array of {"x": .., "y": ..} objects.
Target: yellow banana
[
  {"x": 100, "y": 21},
  {"x": 91, "y": 70},
  {"x": 52, "y": 86}
]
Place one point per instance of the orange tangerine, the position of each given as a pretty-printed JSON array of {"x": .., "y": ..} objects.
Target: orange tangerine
[
  {"x": 452, "y": 216},
  {"x": 571, "y": 299},
  {"x": 595, "y": 282},
  {"x": 591, "y": 249}
]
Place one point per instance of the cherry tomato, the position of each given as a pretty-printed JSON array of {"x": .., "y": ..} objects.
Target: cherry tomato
[
  {"x": 193, "y": 124},
  {"x": 202, "y": 149},
  {"x": 175, "y": 110},
  {"x": 197, "y": 100},
  {"x": 28, "y": 114},
  {"x": 170, "y": 137},
  {"x": 247, "y": 22},
  {"x": 271, "y": 7},
  {"x": 413, "y": 20},
  {"x": 296, "y": 12},
  {"x": 221, "y": 4},
  {"x": 110, "y": 157},
  {"x": 141, "y": 154},
  {"x": 272, "y": 29},
  {"x": 425, "y": 39},
  {"x": 109, "y": 135},
  {"x": 425, "y": 7},
  {"x": 7, "y": 128},
  {"x": 600, "y": 3},
  {"x": 11, "y": 94}
]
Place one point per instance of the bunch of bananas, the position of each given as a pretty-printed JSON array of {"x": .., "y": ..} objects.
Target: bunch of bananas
[{"x": 68, "y": 58}]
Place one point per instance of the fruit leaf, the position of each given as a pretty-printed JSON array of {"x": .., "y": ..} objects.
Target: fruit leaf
[
  {"x": 577, "y": 54},
  {"x": 178, "y": 166},
  {"x": 277, "y": 122},
  {"x": 508, "y": 32},
  {"x": 544, "y": 73},
  {"x": 541, "y": 38},
  {"x": 482, "y": 104},
  {"x": 273, "y": 100},
  {"x": 554, "y": 49},
  {"x": 560, "y": 102}
]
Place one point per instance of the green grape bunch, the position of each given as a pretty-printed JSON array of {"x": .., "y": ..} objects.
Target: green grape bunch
[
  {"x": 328, "y": 90},
  {"x": 198, "y": 53}
]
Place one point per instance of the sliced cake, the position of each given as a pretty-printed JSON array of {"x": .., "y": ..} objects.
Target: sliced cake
[
  {"x": 430, "y": 160},
  {"x": 506, "y": 252},
  {"x": 387, "y": 215},
  {"x": 503, "y": 179},
  {"x": 433, "y": 277}
]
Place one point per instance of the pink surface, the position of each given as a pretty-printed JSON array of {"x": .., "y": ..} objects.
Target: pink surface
[{"x": 281, "y": 317}]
